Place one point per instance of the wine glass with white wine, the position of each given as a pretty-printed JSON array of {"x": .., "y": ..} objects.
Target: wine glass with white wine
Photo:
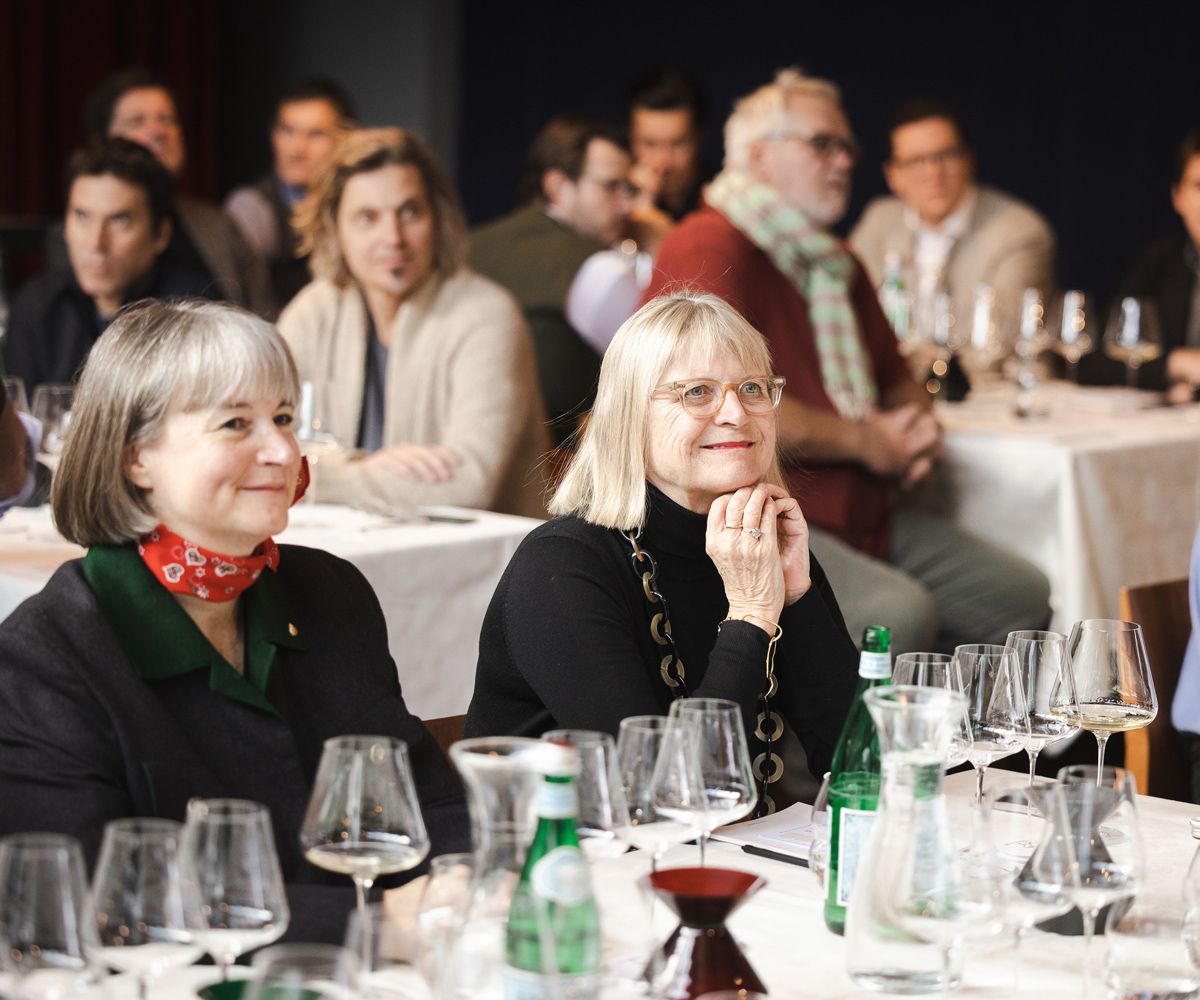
[
  {"x": 1133, "y": 336},
  {"x": 363, "y": 817},
  {"x": 1112, "y": 679}
]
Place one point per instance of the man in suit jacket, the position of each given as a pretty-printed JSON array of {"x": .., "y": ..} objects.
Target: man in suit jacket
[
  {"x": 947, "y": 233},
  {"x": 1166, "y": 273}
]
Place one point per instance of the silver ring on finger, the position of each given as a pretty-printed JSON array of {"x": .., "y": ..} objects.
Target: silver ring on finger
[{"x": 755, "y": 533}]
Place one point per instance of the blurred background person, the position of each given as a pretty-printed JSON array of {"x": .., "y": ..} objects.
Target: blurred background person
[
  {"x": 136, "y": 104},
  {"x": 854, "y": 427},
  {"x": 309, "y": 119},
  {"x": 187, "y": 654},
  {"x": 424, "y": 369},
  {"x": 667, "y": 114},
  {"x": 117, "y": 225},
  {"x": 556, "y": 254},
  {"x": 947, "y": 233},
  {"x": 1166, "y": 272}
]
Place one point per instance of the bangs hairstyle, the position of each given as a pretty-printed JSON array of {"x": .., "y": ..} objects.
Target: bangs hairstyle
[
  {"x": 605, "y": 483},
  {"x": 155, "y": 357},
  {"x": 363, "y": 151}
]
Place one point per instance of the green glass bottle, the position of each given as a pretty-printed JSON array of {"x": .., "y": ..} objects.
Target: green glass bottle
[
  {"x": 553, "y": 936},
  {"x": 854, "y": 779}
]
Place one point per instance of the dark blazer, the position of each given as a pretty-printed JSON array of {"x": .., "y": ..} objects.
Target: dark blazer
[
  {"x": 1163, "y": 274},
  {"x": 84, "y": 739}
]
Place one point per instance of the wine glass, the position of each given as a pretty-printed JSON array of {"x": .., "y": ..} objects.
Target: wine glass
[
  {"x": 1104, "y": 864},
  {"x": 1073, "y": 328},
  {"x": 640, "y": 742},
  {"x": 1112, "y": 678},
  {"x": 439, "y": 916},
  {"x": 45, "y": 942},
  {"x": 602, "y": 808},
  {"x": 1047, "y": 684},
  {"x": 995, "y": 705},
  {"x": 706, "y": 777},
  {"x": 986, "y": 343},
  {"x": 230, "y": 873},
  {"x": 303, "y": 972},
  {"x": 937, "y": 670},
  {"x": 138, "y": 903},
  {"x": 363, "y": 817},
  {"x": 1133, "y": 335},
  {"x": 52, "y": 406}
]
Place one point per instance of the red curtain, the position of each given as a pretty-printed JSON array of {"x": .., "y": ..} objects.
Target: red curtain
[{"x": 54, "y": 52}]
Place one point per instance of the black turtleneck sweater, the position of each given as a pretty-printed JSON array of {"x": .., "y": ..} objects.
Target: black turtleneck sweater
[{"x": 566, "y": 640}]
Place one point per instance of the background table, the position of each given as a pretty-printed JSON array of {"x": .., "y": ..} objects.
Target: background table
[
  {"x": 1096, "y": 494},
  {"x": 434, "y": 581}
]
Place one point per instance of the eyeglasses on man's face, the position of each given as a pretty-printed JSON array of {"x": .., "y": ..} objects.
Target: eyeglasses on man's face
[
  {"x": 702, "y": 397},
  {"x": 826, "y": 145},
  {"x": 951, "y": 156}
]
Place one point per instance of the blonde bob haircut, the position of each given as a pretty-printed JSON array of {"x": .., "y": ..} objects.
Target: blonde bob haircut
[
  {"x": 605, "y": 483},
  {"x": 766, "y": 110},
  {"x": 363, "y": 151},
  {"x": 155, "y": 357}
]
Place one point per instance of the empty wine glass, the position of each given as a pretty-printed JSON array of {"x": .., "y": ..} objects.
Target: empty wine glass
[
  {"x": 439, "y": 915},
  {"x": 363, "y": 817},
  {"x": 704, "y": 775},
  {"x": 45, "y": 941},
  {"x": 1047, "y": 684},
  {"x": 995, "y": 705},
  {"x": 640, "y": 741},
  {"x": 986, "y": 343},
  {"x": 52, "y": 406},
  {"x": 303, "y": 972},
  {"x": 1112, "y": 678},
  {"x": 1073, "y": 327},
  {"x": 603, "y": 811},
  {"x": 231, "y": 876},
  {"x": 1133, "y": 335},
  {"x": 937, "y": 670},
  {"x": 138, "y": 903},
  {"x": 1101, "y": 868}
]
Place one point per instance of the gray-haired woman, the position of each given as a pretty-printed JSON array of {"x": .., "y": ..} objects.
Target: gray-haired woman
[
  {"x": 187, "y": 654},
  {"x": 678, "y": 463}
]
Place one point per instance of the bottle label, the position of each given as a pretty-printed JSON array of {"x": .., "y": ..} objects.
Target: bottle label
[
  {"x": 522, "y": 985},
  {"x": 561, "y": 876},
  {"x": 557, "y": 800},
  {"x": 874, "y": 666},
  {"x": 854, "y": 827}
]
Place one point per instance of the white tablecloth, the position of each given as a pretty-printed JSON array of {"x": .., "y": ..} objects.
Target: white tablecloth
[
  {"x": 434, "y": 581},
  {"x": 1097, "y": 494}
]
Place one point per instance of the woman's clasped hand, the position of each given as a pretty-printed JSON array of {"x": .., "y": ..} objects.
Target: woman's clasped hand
[{"x": 758, "y": 539}]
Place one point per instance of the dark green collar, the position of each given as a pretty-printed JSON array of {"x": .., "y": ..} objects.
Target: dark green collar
[{"x": 163, "y": 642}]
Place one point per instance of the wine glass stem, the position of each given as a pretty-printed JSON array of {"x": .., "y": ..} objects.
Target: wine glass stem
[
  {"x": 1033, "y": 756},
  {"x": 144, "y": 985},
  {"x": 1101, "y": 743},
  {"x": 224, "y": 961},
  {"x": 361, "y": 885},
  {"x": 703, "y": 839},
  {"x": 1131, "y": 376},
  {"x": 1089, "y": 931},
  {"x": 980, "y": 771}
]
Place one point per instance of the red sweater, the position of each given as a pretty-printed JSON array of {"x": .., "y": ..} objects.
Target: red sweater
[{"x": 705, "y": 252}]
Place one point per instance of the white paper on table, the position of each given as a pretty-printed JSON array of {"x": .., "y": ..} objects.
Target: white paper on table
[{"x": 789, "y": 832}]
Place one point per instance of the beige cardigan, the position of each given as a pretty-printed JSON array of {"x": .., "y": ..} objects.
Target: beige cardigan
[{"x": 460, "y": 373}]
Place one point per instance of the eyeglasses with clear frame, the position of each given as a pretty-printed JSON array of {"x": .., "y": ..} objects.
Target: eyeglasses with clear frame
[{"x": 703, "y": 397}]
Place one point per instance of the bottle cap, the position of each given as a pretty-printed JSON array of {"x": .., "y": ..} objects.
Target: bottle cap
[
  {"x": 1195, "y": 822},
  {"x": 554, "y": 760}
]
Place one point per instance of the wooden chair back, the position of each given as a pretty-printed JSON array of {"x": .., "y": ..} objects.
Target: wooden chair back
[
  {"x": 446, "y": 730},
  {"x": 1153, "y": 754}
]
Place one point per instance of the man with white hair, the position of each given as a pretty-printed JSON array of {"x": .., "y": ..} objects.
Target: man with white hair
[{"x": 853, "y": 425}]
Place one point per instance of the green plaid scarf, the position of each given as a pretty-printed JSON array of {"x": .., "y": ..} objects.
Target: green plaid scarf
[{"x": 819, "y": 267}]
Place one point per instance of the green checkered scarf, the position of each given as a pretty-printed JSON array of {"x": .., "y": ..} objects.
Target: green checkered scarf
[{"x": 819, "y": 267}]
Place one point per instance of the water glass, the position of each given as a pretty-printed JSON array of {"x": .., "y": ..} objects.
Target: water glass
[
  {"x": 1147, "y": 955},
  {"x": 386, "y": 971},
  {"x": 52, "y": 406},
  {"x": 440, "y": 914},
  {"x": 303, "y": 972},
  {"x": 603, "y": 811}
]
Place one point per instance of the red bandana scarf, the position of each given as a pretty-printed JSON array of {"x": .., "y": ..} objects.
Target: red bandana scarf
[{"x": 183, "y": 567}]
